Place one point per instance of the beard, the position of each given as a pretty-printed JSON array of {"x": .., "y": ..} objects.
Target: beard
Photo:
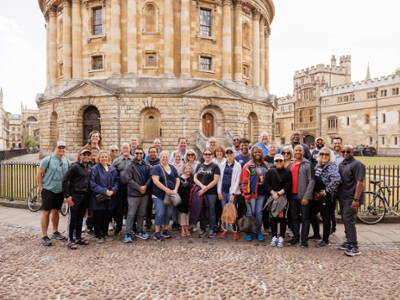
[{"x": 320, "y": 146}]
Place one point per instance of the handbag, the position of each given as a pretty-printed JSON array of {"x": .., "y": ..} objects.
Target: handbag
[
  {"x": 229, "y": 214},
  {"x": 170, "y": 200},
  {"x": 248, "y": 224},
  {"x": 317, "y": 196},
  {"x": 100, "y": 198}
]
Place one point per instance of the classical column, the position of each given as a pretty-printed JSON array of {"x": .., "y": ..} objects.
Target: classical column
[
  {"x": 238, "y": 75},
  {"x": 67, "y": 51},
  {"x": 76, "y": 39},
  {"x": 169, "y": 39},
  {"x": 226, "y": 40},
  {"x": 262, "y": 52},
  {"x": 53, "y": 45},
  {"x": 185, "y": 38},
  {"x": 47, "y": 18},
  {"x": 115, "y": 38},
  {"x": 267, "y": 34},
  {"x": 132, "y": 39},
  {"x": 256, "y": 47}
]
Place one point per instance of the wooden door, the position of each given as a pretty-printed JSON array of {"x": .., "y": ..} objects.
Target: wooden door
[
  {"x": 208, "y": 125},
  {"x": 151, "y": 127}
]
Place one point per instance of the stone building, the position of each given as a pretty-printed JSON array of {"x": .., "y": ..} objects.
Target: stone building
[
  {"x": 158, "y": 69},
  {"x": 29, "y": 123},
  {"x": 14, "y": 121},
  {"x": 4, "y": 126}
]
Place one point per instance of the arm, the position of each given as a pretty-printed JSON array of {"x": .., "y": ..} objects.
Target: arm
[
  {"x": 65, "y": 182},
  {"x": 129, "y": 178},
  {"x": 287, "y": 187},
  {"x": 310, "y": 186},
  {"x": 114, "y": 188},
  {"x": 39, "y": 177},
  {"x": 235, "y": 182},
  {"x": 357, "y": 195},
  {"x": 94, "y": 186},
  {"x": 197, "y": 182},
  {"x": 177, "y": 183},
  {"x": 156, "y": 181}
]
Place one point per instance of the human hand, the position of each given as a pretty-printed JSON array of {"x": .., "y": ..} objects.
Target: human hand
[
  {"x": 231, "y": 198},
  {"x": 275, "y": 196},
  {"x": 323, "y": 192},
  {"x": 69, "y": 201},
  {"x": 220, "y": 196},
  {"x": 355, "y": 205},
  {"x": 304, "y": 202}
]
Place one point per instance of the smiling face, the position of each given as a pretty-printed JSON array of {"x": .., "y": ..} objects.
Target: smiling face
[
  {"x": 125, "y": 149},
  {"x": 190, "y": 156},
  {"x": 103, "y": 158},
  {"x": 187, "y": 170},
  {"x": 157, "y": 144},
  {"x": 182, "y": 145},
  {"x": 272, "y": 148},
  {"x": 264, "y": 138},
  {"x": 207, "y": 155},
  {"x": 164, "y": 159},
  {"x": 279, "y": 163},
  {"x": 114, "y": 151},
  {"x": 295, "y": 137},
  {"x": 134, "y": 142},
  {"x": 236, "y": 140},
  {"x": 178, "y": 157},
  {"x": 94, "y": 154},
  {"x": 337, "y": 145},
  {"x": 138, "y": 155},
  {"x": 153, "y": 154},
  {"x": 324, "y": 156},
  {"x": 257, "y": 154},
  {"x": 60, "y": 151},
  {"x": 348, "y": 152},
  {"x": 95, "y": 138},
  {"x": 244, "y": 147},
  {"x": 298, "y": 152},
  {"x": 85, "y": 157},
  {"x": 213, "y": 143}
]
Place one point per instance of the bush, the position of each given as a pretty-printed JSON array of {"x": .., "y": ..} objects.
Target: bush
[{"x": 33, "y": 141}]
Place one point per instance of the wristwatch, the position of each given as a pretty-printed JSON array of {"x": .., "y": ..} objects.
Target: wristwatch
[{"x": 355, "y": 200}]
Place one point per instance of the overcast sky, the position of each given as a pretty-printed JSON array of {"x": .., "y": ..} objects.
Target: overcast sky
[{"x": 304, "y": 33}]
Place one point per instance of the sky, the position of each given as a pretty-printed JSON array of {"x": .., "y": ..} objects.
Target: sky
[{"x": 303, "y": 34}]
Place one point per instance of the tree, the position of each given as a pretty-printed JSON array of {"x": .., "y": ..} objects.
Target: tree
[
  {"x": 397, "y": 71},
  {"x": 33, "y": 141}
]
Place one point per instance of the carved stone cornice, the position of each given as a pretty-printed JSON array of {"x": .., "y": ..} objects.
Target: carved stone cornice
[
  {"x": 52, "y": 11},
  {"x": 247, "y": 11},
  {"x": 239, "y": 4},
  {"x": 256, "y": 14},
  {"x": 59, "y": 9},
  {"x": 66, "y": 3},
  {"x": 77, "y": 1},
  {"x": 46, "y": 16},
  {"x": 226, "y": 2}
]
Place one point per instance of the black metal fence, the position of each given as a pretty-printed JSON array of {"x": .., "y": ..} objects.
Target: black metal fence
[{"x": 7, "y": 154}]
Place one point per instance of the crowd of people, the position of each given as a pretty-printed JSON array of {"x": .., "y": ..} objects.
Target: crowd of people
[{"x": 289, "y": 186}]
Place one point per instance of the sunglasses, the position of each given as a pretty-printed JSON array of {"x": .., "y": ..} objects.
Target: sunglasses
[
  {"x": 236, "y": 140},
  {"x": 190, "y": 155},
  {"x": 279, "y": 160},
  {"x": 114, "y": 150},
  {"x": 138, "y": 153},
  {"x": 229, "y": 152},
  {"x": 324, "y": 154},
  {"x": 320, "y": 142},
  {"x": 285, "y": 153},
  {"x": 348, "y": 152},
  {"x": 207, "y": 154}
]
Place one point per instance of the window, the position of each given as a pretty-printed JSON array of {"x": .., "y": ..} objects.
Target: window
[
  {"x": 371, "y": 140},
  {"x": 60, "y": 69},
  {"x": 371, "y": 95},
  {"x": 311, "y": 115},
  {"x": 150, "y": 18},
  {"x": 151, "y": 60},
  {"x": 97, "y": 62},
  {"x": 205, "y": 63},
  {"x": 383, "y": 140},
  {"x": 395, "y": 141},
  {"x": 395, "y": 91},
  {"x": 97, "y": 21},
  {"x": 339, "y": 99},
  {"x": 292, "y": 126},
  {"x": 301, "y": 116},
  {"x": 346, "y": 99},
  {"x": 383, "y": 93},
  {"x": 205, "y": 22},
  {"x": 283, "y": 141},
  {"x": 246, "y": 70},
  {"x": 348, "y": 121},
  {"x": 332, "y": 123},
  {"x": 290, "y": 108},
  {"x": 13, "y": 129},
  {"x": 282, "y": 108},
  {"x": 246, "y": 35},
  {"x": 325, "y": 102},
  {"x": 278, "y": 128},
  {"x": 367, "y": 119},
  {"x": 383, "y": 118},
  {"x": 19, "y": 128},
  {"x": 352, "y": 98}
]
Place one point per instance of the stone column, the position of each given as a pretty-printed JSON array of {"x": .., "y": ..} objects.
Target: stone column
[
  {"x": 238, "y": 75},
  {"x": 256, "y": 47},
  {"x": 267, "y": 34},
  {"x": 185, "y": 39},
  {"x": 47, "y": 18},
  {"x": 226, "y": 40},
  {"x": 169, "y": 39},
  {"x": 262, "y": 52},
  {"x": 132, "y": 39},
  {"x": 67, "y": 51},
  {"x": 53, "y": 45},
  {"x": 76, "y": 39},
  {"x": 115, "y": 38}
]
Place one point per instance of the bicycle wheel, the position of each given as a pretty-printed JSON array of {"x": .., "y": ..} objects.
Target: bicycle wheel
[
  {"x": 64, "y": 208},
  {"x": 373, "y": 210},
  {"x": 35, "y": 199}
]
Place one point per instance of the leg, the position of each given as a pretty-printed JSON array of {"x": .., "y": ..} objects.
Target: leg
[
  {"x": 133, "y": 204},
  {"x": 168, "y": 213},
  {"x": 119, "y": 210},
  {"x": 305, "y": 216},
  {"x": 160, "y": 213},
  {"x": 349, "y": 221},
  {"x": 55, "y": 217},
  {"x": 90, "y": 220},
  {"x": 333, "y": 213},
  {"x": 314, "y": 210},
  {"x": 175, "y": 214},
  {"x": 81, "y": 213},
  {"x": 45, "y": 221},
  {"x": 97, "y": 223},
  {"x": 259, "y": 206},
  {"x": 274, "y": 227},
  {"x": 105, "y": 220},
  {"x": 282, "y": 227},
  {"x": 223, "y": 203},
  {"x": 326, "y": 209},
  {"x": 149, "y": 211},
  {"x": 295, "y": 212},
  {"x": 266, "y": 220},
  {"x": 212, "y": 215},
  {"x": 141, "y": 211}
]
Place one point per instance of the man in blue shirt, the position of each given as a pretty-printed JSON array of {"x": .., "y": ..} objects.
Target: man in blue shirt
[
  {"x": 182, "y": 148},
  {"x": 264, "y": 142},
  {"x": 244, "y": 157}
]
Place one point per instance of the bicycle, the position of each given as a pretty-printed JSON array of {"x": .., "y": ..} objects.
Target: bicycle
[
  {"x": 35, "y": 201},
  {"x": 376, "y": 206}
]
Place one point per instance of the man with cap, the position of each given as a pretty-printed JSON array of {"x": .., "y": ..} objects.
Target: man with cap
[
  {"x": 319, "y": 144},
  {"x": 75, "y": 186},
  {"x": 49, "y": 178}
]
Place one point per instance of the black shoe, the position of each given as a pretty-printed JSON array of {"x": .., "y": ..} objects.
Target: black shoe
[
  {"x": 315, "y": 237},
  {"x": 304, "y": 244},
  {"x": 91, "y": 233},
  {"x": 293, "y": 242},
  {"x": 117, "y": 232},
  {"x": 344, "y": 246},
  {"x": 178, "y": 226}
]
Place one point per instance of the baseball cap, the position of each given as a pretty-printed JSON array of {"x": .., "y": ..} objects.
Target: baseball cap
[
  {"x": 229, "y": 149},
  {"x": 278, "y": 156},
  {"x": 319, "y": 138},
  {"x": 61, "y": 143},
  {"x": 85, "y": 150}
]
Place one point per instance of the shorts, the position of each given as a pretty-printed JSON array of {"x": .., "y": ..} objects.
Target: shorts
[{"x": 51, "y": 200}]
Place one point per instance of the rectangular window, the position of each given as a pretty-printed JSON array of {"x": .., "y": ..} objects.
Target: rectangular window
[
  {"x": 311, "y": 115},
  {"x": 205, "y": 22},
  {"x": 97, "y": 21},
  {"x": 97, "y": 62},
  {"x": 19, "y": 129},
  {"x": 395, "y": 141},
  {"x": 348, "y": 121},
  {"x": 290, "y": 107},
  {"x": 346, "y": 98},
  {"x": 395, "y": 91},
  {"x": 383, "y": 118},
  {"x": 367, "y": 119},
  {"x": 332, "y": 123},
  {"x": 282, "y": 108},
  {"x": 205, "y": 63},
  {"x": 13, "y": 129},
  {"x": 151, "y": 60},
  {"x": 383, "y": 93},
  {"x": 351, "y": 98},
  {"x": 383, "y": 140},
  {"x": 292, "y": 126},
  {"x": 301, "y": 116},
  {"x": 371, "y": 141}
]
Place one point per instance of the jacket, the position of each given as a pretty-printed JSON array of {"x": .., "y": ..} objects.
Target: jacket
[
  {"x": 307, "y": 153},
  {"x": 276, "y": 207},
  {"x": 76, "y": 180},
  {"x": 330, "y": 177},
  {"x": 185, "y": 187},
  {"x": 235, "y": 188},
  {"x": 249, "y": 180},
  {"x": 305, "y": 180},
  {"x": 196, "y": 207},
  {"x": 99, "y": 183},
  {"x": 134, "y": 181},
  {"x": 272, "y": 182}
]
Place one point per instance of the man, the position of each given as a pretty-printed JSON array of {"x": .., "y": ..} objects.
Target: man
[
  {"x": 120, "y": 164},
  {"x": 337, "y": 157},
  {"x": 49, "y": 178},
  {"x": 236, "y": 145},
  {"x": 272, "y": 151},
  {"x": 75, "y": 187},
  {"x": 263, "y": 144},
  {"x": 212, "y": 144},
  {"x": 244, "y": 156},
  {"x": 153, "y": 161},
  {"x": 157, "y": 145},
  {"x": 94, "y": 153},
  {"x": 295, "y": 138},
  {"x": 303, "y": 182},
  {"x": 351, "y": 196},
  {"x": 182, "y": 148},
  {"x": 113, "y": 152},
  {"x": 320, "y": 143},
  {"x": 139, "y": 184}
]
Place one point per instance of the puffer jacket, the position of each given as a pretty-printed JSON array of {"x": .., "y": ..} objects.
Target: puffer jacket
[{"x": 330, "y": 177}]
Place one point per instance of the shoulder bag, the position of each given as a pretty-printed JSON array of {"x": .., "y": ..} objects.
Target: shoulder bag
[
  {"x": 170, "y": 200},
  {"x": 248, "y": 224}
]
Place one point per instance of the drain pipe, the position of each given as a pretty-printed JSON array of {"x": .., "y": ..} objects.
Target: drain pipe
[{"x": 119, "y": 123}]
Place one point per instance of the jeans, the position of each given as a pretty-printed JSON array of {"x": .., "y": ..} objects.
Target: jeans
[
  {"x": 333, "y": 215},
  {"x": 136, "y": 207},
  {"x": 296, "y": 208},
  {"x": 349, "y": 217},
  {"x": 323, "y": 206},
  {"x": 175, "y": 214},
  {"x": 118, "y": 211},
  {"x": 163, "y": 213},
  {"x": 223, "y": 203},
  {"x": 256, "y": 209},
  {"x": 76, "y": 214},
  {"x": 212, "y": 216}
]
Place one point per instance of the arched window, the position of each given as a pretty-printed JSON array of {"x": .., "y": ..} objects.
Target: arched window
[
  {"x": 208, "y": 125},
  {"x": 91, "y": 122},
  {"x": 246, "y": 35},
  {"x": 150, "y": 18},
  {"x": 32, "y": 119}
]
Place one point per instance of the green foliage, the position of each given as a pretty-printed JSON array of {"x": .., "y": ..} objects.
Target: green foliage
[
  {"x": 397, "y": 71},
  {"x": 33, "y": 141},
  {"x": 8, "y": 113}
]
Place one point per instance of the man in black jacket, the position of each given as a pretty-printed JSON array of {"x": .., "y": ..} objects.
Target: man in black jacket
[
  {"x": 75, "y": 187},
  {"x": 139, "y": 184}
]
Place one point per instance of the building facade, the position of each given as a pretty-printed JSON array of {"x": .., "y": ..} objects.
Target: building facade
[
  {"x": 29, "y": 123},
  {"x": 14, "y": 121},
  {"x": 158, "y": 69},
  {"x": 4, "y": 125}
]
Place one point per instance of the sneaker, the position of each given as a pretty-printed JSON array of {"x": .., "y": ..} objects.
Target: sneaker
[
  {"x": 274, "y": 241},
  {"x": 315, "y": 237},
  {"x": 202, "y": 233},
  {"x": 289, "y": 233},
  {"x": 260, "y": 237},
  {"x": 158, "y": 237},
  {"x": 211, "y": 234},
  {"x": 99, "y": 240},
  {"x": 280, "y": 242},
  {"x": 266, "y": 232},
  {"x": 195, "y": 228},
  {"x": 344, "y": 246},
  {"x": 322, "y": 244},
  {"x": 110, "y": 226},
  {"x": 45, "y": 241},
  {"x": 293, "y": 242},
  {"x": 108, "y": 238},
  {"x": 57, "y": 235},
  {"x": 84, "y": 228},
  {"x": 166, "y": 234},
  {"x": 304, "y": 244},
  {"x": 142, "y": 235},
  {"x": 178, "y": 226},
  {"x": 128, "y": 238},
  {"x": 236, "y": 236},
  {"x": 124, "y": 222},
  {"x": 224, "y": 234},
  {"x": 91, "y": 233},
  {"x": 249, "y": 237},
  {"x": 117, "y": 232},
  {"x": 333, "y": 232},
  {"x": 353, "y": 251}
]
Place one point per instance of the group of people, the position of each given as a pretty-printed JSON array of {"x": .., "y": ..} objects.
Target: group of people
[{"x": 288, "y": 186}]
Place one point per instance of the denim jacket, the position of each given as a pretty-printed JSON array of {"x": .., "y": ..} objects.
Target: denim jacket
[{"x": 330, "y": 177}]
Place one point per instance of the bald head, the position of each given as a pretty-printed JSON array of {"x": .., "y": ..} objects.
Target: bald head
[{"x": 298, "y": 152}]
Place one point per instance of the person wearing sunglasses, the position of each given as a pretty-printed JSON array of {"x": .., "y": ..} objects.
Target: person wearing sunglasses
[
  {"x": 287, "y": 153},
  {"x": 236, "y": 145},
  {"x": 327, "y": 180},
  {"x": 320, "y": 143},
  {"x": 114, "y": 152},
  {"x": 337, "y": 157},
  {"x": 191, "y": 159}
]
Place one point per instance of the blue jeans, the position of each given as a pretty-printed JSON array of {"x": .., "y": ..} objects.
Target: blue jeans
[
  {"x": 212, "y": 216},
  {"x": 163, "y": 213},
  {"x": 333, "y": 216},
  {"x": 256, "y": 209},
  {"x": 223, "y": 203},
  {"x": 297, "y": 208}
]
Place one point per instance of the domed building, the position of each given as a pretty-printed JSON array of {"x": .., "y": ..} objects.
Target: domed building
[{"x": 158, "y": 69}]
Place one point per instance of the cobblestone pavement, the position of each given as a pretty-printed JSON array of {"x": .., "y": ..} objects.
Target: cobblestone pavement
[{"x": 191, "y": 268}]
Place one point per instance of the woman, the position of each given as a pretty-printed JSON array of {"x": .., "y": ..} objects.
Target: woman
[
  {"x": 287, "y": 154},
  {"x": 166, "y": 180},
  {"x": 206, "y": 177},
  {"x": 278, "y": 182},
  {"x": 177, "y": 163},
  {"x": 327, "y": 181},
  {"x": 228, "y": 187},
  {"x": 219, "y": 159},
  {"x": 252, "y": 178},
  {"x": 191, "y": 159},
  {"x": 104, "y": 180},
  {"x": 185, "y": 187}
]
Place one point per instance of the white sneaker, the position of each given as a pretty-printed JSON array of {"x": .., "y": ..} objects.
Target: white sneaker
[
  {"x": 124, "y": 222},
  {"x": 84, "y": 227},
  {"x": 110, "y": 226},
  {"x": 195, "y": 228},
  {"x": 274, "y": 241},
  {"x": 289, "y": 232},
  {"x": 280, "y": 242}
]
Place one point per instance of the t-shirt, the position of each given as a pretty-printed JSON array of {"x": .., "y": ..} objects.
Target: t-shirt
[
  {"x": 351, "y": 171},
  {"x": 242, "y": 160},
  {"x": 262, "y": 171},
  {"x": 142, "y": 171},
  {"x": 227, "y": 179},
  {"x": 265, "y": 149},
  {"x": 236, "y": 153},
  {"x": 171, "y": 180},
  {"x": 205, "y": 174},
  {"x": 294, "y": 168},
  {"x": 55, "y": 171},
  {"x": 270, "y": 161},
  {"x": 314, "y": 156}
]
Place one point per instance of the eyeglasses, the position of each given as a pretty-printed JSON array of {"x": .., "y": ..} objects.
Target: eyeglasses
[
  {"x": 323, "y": 154},
  {"x": 207, "y": 154},
  {"x": 229, "y": 152},
  {"x": 138, "y": 153},
  {"x": 190, "y": 155},
  {"x": 236, "y": 140},
  {"x": 348, "y": 152},
  {"x": 279, "y": 160},
  {"x": 114, "y": 150},
  {"x": 320, "y": 142},
  {"x": 285, "y": 153}
]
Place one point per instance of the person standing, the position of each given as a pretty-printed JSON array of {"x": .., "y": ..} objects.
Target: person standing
[
  {"x": 89, "y": 219},
  {"x": 272, "y": 151},
  {"x": 75, "y": 186},
  {"x": 157, "y": 146},
  {"x": 212, "y": 142},
  {"x": 295, "y": 140},
  {"x": 314, "y": 155},
  {"x": 191, "y": 159},
  {"x": 185, "y": 186},
  {"x": 182, "y": 148},
  {"x": 219, "y": 159},
  {"x": 95, "y": 140},
  {"x": 242, "y": 159},
  {"x": 93, "y": 156},
  {"x": 114, "y": 152},
  {"x": 303, "y": 182},
  {"x": 264, "y": 143},
  {"x": 139, "y": 184},
  {"x": 236, "y": 145},
  {"x": 287, "y": 154},
  {"x": 178, "y": 164},
  {"x": 351, "y": 196},
  {"x": 49, "y": 179},
  {"x": 153, "y": 161},
  {"x": 337, "y": 158}
]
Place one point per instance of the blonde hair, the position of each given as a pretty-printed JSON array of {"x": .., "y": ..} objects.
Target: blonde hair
[
  {"x": 330, "y": 156},
  {"x": 219, "y": 148},
  {"x": 100, "y": 153},
  {"x": 175, "y": 153},
  {"x": 163, "y": 153},
  {"x": 191, "y": 151},
  {"x": 289, "y": 148}
]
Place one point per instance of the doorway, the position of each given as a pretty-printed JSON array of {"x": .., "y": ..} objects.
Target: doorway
[{"x": 91, "y": 122}]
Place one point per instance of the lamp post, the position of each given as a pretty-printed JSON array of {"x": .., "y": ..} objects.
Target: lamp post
[{"x": 376, "y": 121}]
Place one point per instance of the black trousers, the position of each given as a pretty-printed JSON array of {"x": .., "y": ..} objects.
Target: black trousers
[
  {"x": 90, "y": 220},
  {"x": 149, "y": 211},
  {"x": 118, "y": 212},
  {"x": 76, "y": 214},
  {"x": 266, "y": 219},
  {"x": 218, "y": 210},
  {"x": 274, "y": 225},
  {"x": 323, "y": 206},
  {"x": 101, "y": 220}
]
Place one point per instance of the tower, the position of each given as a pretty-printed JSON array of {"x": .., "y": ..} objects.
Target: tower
[{"x": 368, "y": 76}]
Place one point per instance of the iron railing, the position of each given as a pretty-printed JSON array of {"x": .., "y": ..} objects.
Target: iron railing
[{"x": 7, "y": 154}]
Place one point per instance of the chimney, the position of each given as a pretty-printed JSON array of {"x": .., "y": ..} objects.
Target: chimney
[{"x": 333, "y": 61}]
